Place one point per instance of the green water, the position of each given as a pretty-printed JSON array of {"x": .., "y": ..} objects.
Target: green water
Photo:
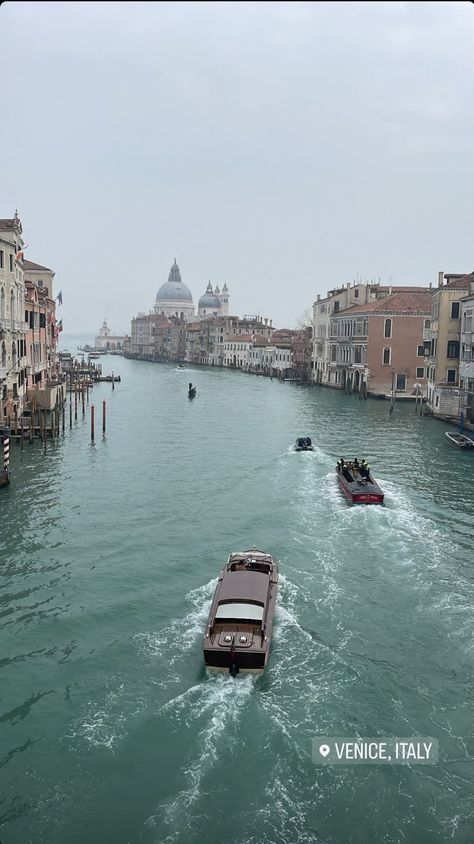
[{"x": 110, "y": 731}]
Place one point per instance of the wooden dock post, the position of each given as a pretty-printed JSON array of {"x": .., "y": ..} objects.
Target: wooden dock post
[
  {"x": 103, "y": 417},
  {"x": 21, "y": 434},
  {"x": 83, "y": 391},
  {"x": 92, "y": 422},
  {"x": 113, "y": 384},
  {"x": 75, "y": 403}
]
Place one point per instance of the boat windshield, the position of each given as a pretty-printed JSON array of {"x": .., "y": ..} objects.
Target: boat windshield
[{"x": 234, "y": 611}]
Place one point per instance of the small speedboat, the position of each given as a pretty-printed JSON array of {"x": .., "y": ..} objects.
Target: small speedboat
[
  {"x": 239, "y": 628},
  {"x": 181, "y": 368},
  {"x": 359, "y": 489},
  {"x": 303, "y": 444},
  {"x": 459, "y": 440}
]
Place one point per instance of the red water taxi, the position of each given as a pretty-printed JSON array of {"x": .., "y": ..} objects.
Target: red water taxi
[{"x": 359, "y": 489}]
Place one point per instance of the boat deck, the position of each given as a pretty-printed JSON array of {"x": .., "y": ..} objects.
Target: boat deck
[{"x": 236, "y": 628}]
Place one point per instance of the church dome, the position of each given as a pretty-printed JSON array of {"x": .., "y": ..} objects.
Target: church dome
[
  {"x": 174, "y": 290},
  {"x": 209, "y": 299}
]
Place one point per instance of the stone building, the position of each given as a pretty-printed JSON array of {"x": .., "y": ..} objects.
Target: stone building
[
  {"x": 174, "y": 298},
  {"x": 13, "y": 359},
  {"x": 466, "y": 360}
]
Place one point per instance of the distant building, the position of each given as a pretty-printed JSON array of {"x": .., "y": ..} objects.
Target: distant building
[
  {"x": 214, "y": 303},
  {"x": 174, "y": 299},
  {"x": 107, "y": 341}
]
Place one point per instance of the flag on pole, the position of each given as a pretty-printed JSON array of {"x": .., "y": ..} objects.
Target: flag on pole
[
  {"x": 19, "y": 254},
  {"x": 59, "y": 297}
]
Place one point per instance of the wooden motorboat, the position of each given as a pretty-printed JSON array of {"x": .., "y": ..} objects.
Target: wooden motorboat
[
  {"x": 459, "y": 440},
  {"x": 303, "y": 444},
  {"x": 239, "y": 627},
  {"x": 357, "y": 488}
]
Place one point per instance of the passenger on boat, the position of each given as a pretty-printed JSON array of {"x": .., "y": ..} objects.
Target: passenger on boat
[
  {"x": 356, "y": 464},
  {"x": 347, "y": 474},
  {"x": 364, "y": 469}
]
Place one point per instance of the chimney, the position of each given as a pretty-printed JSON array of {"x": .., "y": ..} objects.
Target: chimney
[
  {"x": 348, "y": 285},
  {"x": 318, "y": 298},
  {"x": 270, "y": 323},
  {"x": 266, "y": 320},
  {"x": 440, "y": 278}
]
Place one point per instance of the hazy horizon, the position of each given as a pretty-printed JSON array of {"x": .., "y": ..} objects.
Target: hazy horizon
[{"x": 282, "y": 148}]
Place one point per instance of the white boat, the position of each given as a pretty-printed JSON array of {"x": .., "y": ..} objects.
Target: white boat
[{"x": 459, "y": 440}]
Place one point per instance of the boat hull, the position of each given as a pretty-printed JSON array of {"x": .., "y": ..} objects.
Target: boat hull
[
  {"x": 459, "y": 440},
  {"x": 360, "y": 492}
]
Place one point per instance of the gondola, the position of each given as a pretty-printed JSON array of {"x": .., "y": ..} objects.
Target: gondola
[{"x": 191, "y": 391}]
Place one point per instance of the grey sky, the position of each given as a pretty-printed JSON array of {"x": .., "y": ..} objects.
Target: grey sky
[{"x": 280, "y": 147}]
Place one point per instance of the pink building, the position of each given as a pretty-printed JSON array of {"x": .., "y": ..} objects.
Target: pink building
[{"x": 378, "y": 346}]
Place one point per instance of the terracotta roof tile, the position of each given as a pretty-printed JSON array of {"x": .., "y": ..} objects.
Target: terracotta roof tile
[
  {"x": 460, "y": 283},
  {"x": 405, "y": 302}
]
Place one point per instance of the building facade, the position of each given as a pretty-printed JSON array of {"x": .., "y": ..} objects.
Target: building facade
[
  {"x": 443, "y": 344},
  {"x": 13, "y": 359},
  {"x": 106, "y": 341},
  {"x": 466, "y": 361},
  {"x": 378, "y": 347}
]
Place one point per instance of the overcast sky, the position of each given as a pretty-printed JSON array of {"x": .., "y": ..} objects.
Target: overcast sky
[{"x": 283, "y": 148}]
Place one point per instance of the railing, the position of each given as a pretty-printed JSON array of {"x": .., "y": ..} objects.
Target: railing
[
  {"x": 33, "y": 368},
  {"x": 13, "y": 325}
]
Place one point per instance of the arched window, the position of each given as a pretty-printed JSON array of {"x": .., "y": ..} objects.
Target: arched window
[
  {"x": 387, "y": 354},
  {"x": 4, "y": 355},
  {"x": 388, "y": 328},
  {"x": 14, "y": 353},
  {"x": 12, "y": 306},
  {"x": 2, "y": 303}
]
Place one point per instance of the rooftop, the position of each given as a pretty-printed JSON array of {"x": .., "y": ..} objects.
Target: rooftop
[{"x": 403, "y": 301}]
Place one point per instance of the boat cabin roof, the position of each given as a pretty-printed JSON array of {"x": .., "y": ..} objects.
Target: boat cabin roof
[{"x": 244, "y": 586}]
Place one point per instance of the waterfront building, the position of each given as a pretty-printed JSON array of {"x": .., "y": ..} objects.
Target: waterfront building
[
  {"x": 236, "y": 350},
  {"x": 466, "y": 360},
  {"x": 106, "y": 341},
  {"x": 378, "y": 347},
  {"x": 13, "y": 361},
  {"x": 169, "y": 339},
  {"x": 443, "y": 344},
  {"x": 141, "y": 341}
]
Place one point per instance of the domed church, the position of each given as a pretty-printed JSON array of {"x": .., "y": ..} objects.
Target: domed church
[
  {"x": 174, "y": 298},
  {"x": 214, "y": 303}
]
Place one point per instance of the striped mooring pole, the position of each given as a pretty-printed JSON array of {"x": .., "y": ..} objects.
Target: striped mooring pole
[{"x": 4, "y": 475}]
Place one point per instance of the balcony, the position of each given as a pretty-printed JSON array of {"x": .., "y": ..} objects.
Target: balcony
[
  {"x": 13, "y": 325},
  {"x": 34, "y": 368}
]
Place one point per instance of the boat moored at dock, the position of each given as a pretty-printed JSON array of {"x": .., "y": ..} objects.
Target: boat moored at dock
[
  {"x": 459, "y": 440},
  {"x": 357, "y": 484},
  {"x": 239, "y": 627}
]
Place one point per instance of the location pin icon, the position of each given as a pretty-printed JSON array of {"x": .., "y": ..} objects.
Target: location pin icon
[{"x": 324, "y": 749}]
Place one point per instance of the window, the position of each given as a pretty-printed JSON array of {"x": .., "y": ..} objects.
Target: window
[
  {"x": 388, "y": 328},
  {"x": 333, "y": 353},
  {"x": 454, "y": 310},
  {"x": 421, "y": 351},
  {"x": 11, "y": 263},
  {"x": 358, "y": 354},
  {"x": 387, "y": 354},
  {"x": 427, "y": 324},
  {"x": 453, "y": 347},
  {"x": 420, "y": 371},
  {"x": 336, "y": 307},
  {"x": 451, "y": 377},
  {"x": 437, "y": 401},
  {"x": 1, "y": 259},
  {"x": 401, "y": 381},
  {"x": 356, "y": 293}
]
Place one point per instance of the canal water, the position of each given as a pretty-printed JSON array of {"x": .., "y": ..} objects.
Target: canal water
[{"x": 110, "y": 730}]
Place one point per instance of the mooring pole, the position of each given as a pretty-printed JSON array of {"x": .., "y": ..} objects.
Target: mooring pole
[
  {"x": 6, "y": 449},
  {"x": 21, "y": 434},
  {"x": 103, "y": 417},
  {"x": 92, "y": 422},
  {"x": 75, "y": 403},
  {"x": 113, "y": 384}
]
